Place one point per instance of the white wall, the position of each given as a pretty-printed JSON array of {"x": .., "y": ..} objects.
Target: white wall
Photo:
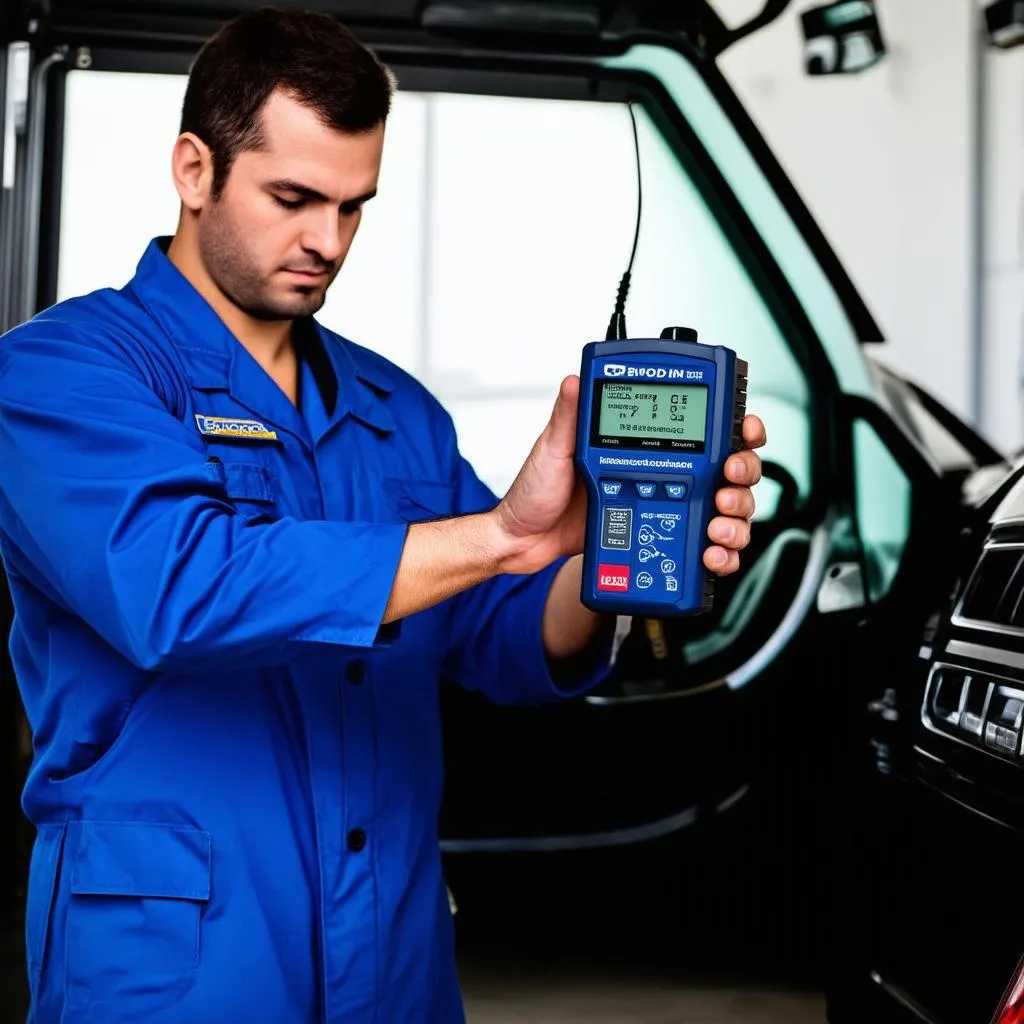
[
  {"x": 885, "y": 161},
  {"x": 1002, "y": 414}
]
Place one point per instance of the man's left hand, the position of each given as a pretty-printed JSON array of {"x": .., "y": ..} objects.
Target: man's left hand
[{"x": 730, "y": 532}]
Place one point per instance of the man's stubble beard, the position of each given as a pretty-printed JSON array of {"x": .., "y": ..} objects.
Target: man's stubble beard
[{"x": 228, "y": 263}]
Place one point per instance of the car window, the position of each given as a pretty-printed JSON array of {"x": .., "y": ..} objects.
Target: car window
[
  {"x": 883, "y": 508},
  {"x": 734, "y": 160},
  {"x": 491, "y": 255},
  {"x": 882, "y": 488}
]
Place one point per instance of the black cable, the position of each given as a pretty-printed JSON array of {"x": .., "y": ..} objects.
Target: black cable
[
  {"x": 617, "y": 324},
  {"x": 639, "y": 188}
]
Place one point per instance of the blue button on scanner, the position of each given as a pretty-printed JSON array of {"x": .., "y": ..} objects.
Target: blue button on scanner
[
  {"x": 611, "y": 488},
  {"x": 676, "y": 491},
  {"x": 646, "y": 490}
]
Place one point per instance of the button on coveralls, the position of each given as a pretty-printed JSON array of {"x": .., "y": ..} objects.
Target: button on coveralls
[{"x": 238, "y": 770}]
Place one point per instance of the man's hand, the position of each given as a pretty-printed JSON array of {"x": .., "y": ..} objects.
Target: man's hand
[
  {"x": 730, "y": 532},
  {"x": 543, "y": 516}
]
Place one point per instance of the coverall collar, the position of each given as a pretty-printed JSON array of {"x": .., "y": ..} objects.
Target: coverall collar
[{"x": 215, "y": 359}]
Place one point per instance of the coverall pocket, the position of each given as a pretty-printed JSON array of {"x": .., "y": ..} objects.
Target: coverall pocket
[
  {"x": 133, "y": 922},
  {"x": 419, "y": 500},
  {"x": 251, "y": 488}
]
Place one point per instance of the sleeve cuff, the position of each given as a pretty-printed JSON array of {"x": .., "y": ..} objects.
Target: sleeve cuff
[
  {"x": 357, "y": 587},
  {"x": 568, "y": 677}
]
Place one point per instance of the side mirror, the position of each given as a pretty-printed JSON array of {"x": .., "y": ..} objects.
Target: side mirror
[{"x": 842, "y": 38}]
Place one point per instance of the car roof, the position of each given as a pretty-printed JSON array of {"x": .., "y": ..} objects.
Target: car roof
[{"x": 600, "y": 21}]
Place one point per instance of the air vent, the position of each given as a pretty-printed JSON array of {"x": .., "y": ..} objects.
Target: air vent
[
  {"x": 976, "y": 709},
  {"x": 995, "y": 594}
]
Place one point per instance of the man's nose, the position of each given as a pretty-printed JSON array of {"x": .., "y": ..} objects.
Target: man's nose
[{"x": 324, "y": 237}]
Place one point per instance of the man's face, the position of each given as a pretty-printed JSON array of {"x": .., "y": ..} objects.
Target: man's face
[{"x": 278, "y": 234}]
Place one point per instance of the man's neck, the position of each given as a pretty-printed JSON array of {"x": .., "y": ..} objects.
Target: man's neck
[{"x": 269, "y": 342}]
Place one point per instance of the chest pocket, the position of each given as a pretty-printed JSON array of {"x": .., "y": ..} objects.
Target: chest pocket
[
  {"x": 415, "y": 501},
  {"x": 250, "y": 487}
]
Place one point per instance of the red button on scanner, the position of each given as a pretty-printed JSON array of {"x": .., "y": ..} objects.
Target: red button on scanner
[{"x": 613, "y": 577}]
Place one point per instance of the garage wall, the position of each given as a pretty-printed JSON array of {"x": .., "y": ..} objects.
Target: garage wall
[
  {"x": 1002, "y": 414},
  {"x": 886, "y": 161}
]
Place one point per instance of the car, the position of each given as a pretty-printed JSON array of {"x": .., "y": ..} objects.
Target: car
[{"x": 788, "y": 764}]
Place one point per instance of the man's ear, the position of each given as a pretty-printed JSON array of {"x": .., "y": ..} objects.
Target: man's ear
[{"x": 192, "y": 170}]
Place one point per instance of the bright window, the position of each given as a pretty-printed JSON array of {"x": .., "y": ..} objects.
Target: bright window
[{"x": 490, "y": 257}]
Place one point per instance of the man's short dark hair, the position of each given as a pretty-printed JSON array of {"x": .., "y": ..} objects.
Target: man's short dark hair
[{"x": 308, "y": 55}]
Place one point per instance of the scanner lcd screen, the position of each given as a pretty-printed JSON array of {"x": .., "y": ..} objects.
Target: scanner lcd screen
[{"x": 637, "y": 413}]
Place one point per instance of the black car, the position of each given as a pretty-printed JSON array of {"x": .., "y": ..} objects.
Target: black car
[{"x": 840, "y": 736}]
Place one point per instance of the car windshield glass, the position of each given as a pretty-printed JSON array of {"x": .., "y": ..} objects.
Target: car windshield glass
[{"x": 734, "y": 160}]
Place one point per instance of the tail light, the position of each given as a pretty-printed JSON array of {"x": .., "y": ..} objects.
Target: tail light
[{"x": 1011, "y": 1009}]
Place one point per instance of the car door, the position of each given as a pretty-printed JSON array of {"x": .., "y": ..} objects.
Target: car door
[
  {"x": 755, "y": 712},
  {"x": 933, "y": 810}
]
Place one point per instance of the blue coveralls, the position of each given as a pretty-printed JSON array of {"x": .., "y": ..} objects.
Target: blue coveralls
[{"x": 238, "y": 770}]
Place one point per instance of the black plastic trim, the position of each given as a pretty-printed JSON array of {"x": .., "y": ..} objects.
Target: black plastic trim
[
  {"x": 978, "y": 447},
  {"x": 52, "y": 189}
]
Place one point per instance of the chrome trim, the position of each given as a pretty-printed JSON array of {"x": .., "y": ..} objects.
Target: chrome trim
[
  {"x": 901, "y": 997},
  {"x": 806, "y": 594},
  {"x": 964, "y": 805},
  {"x": 957, "y": 619},
  {"x": 592, "y": 840},
  {"x": 993, "y": 655},
  {"x": 814, "y": 571},
  {"x": 928, "y": 754},
  {"x": 929, "y": 723},
  {"x": 986, "y": 627}
]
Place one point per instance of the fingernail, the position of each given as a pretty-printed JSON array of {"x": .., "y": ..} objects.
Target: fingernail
[
  {"x": 729, "y": 531},
  {"x": 731, "y": 502},
  {"x": 719, "y": 557}
]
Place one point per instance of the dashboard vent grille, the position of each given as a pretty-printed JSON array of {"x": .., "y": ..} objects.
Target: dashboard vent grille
[{"x": 995, "y": 593}]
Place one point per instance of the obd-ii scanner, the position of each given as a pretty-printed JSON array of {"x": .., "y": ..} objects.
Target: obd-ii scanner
[{"x": 657, "y": 419}]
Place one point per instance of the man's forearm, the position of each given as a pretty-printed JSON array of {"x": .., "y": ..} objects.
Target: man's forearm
[
  {"x": 441, "y": 559},
  {"x": 568, "y": 626}
]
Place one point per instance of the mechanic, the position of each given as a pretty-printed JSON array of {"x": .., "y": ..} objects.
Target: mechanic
[{"x": 243, "y": 551}]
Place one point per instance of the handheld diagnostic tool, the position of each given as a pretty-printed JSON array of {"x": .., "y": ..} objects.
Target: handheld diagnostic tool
[{"x": 657, "y": 420}]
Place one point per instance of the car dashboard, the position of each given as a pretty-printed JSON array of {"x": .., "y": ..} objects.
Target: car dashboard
[{"x": 947, "y": 775}]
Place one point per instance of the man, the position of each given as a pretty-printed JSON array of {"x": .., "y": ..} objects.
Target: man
[{"x": 243, "y": 551}]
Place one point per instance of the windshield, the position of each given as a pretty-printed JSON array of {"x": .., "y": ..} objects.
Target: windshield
[{"x": 733, "y": 158}]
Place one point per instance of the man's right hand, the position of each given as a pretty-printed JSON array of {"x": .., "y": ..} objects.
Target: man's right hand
[{"x": 543, "y": 516}]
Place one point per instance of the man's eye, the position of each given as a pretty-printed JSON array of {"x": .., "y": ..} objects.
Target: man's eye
[{"x": 288, "y": 204}]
